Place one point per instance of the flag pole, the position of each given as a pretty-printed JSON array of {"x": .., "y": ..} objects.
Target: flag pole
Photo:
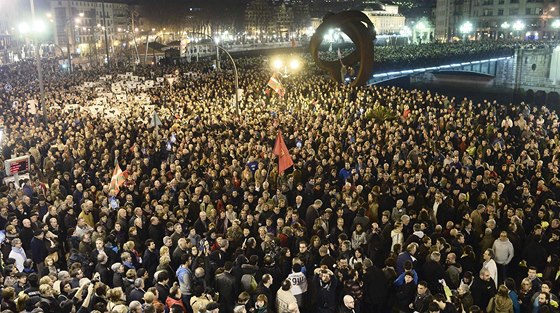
[{"x": 271, "y": 154}]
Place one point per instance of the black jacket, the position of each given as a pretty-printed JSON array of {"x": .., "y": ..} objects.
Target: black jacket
[
  {"x": 375, "y": 286},
  {"x": 405, "y": 296},
  {"x": 482, "y": 291},
  {"x": 227, "y": 287},
  {"x": 324, "y": 296}
]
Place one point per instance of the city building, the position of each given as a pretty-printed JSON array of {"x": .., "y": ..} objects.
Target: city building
[
  {"x": 266, "y": 19},
  {"x": 385, "y": 17},
  {"x": 496, "y": 19},
  {"x": 10, "y": 16},
  {"x": 84, "y": 27}
]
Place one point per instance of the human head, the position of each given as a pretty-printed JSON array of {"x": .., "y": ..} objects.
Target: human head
[{"x": 348, "y": 301}]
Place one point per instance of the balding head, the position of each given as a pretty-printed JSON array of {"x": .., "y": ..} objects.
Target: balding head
[{"x": 348, "y": 301}]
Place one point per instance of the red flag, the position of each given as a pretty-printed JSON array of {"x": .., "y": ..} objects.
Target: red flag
[
  {"x": 284, "y": 159},
  {"x": 118, "y": 178}
]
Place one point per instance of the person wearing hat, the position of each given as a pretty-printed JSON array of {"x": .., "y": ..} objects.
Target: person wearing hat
[{"x": 38, "y": 249}]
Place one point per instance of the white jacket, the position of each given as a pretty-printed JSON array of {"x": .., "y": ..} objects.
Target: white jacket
[{"x": 19, "y": 256}]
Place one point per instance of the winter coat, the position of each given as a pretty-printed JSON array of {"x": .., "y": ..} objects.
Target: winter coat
[{"x": 500, "y": 304}]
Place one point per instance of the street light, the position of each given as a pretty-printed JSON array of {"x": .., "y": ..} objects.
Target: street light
[
  {"x": 407, "y": 32},
  {"x": 421, "y": 28},
  {"x": 38, "y": 27},
  {"x": 518, "y": 26},
  {"x": 556, "y": 25},
  {"x": 466, "y": 29},
  {"x": 505, "y": 26},
  {"x": 216, "y": 42},
  {"x": 285, "y": 65}
]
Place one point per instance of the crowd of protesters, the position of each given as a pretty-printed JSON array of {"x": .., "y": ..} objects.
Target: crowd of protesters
[
  {"x": 449, "y": 208},
  {"x": 390, "y": 58}
]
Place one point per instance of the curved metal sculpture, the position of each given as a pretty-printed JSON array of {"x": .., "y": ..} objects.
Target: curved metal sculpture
[{"x": 358, "y": 27}]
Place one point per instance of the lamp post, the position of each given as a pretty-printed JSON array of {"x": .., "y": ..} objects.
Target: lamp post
[
  {"x": 285, "y": 66},
  {"x": 218, "y": 47},
  {"x": 518, "y": 26},
  {"x": 556, "y": 25},
  {"x": 421, "y": 28},
  {"x": 35, "y": 29},
  {"x": 505, "y": 26},
  {"x": 218, "y": 67},
  {"x": 466, "y": 29},
  {"x": 105, "y": 31},
  {"x": 406, "y": 31},
  {"x": 77, "y": 20}
]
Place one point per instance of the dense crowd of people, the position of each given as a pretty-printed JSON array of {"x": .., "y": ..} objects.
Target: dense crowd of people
[
  {"x": 451, "y": 207},
  {"x": 389, "y": 58}
]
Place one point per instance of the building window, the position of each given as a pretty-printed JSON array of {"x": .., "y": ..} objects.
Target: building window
[
  {"x": 500, "y": 12},
  {"x": 513, "y": 1}
]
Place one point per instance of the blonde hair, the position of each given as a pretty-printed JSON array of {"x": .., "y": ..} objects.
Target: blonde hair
[
  {"x": 46, "y": 280},
  {"x": 45, "y": 289},
  {"x": 129, "y": 245},
  {"x": 114, "y": 295},
  {"x": 164, "y": 260},
  {"x": 149, "y": 297}
]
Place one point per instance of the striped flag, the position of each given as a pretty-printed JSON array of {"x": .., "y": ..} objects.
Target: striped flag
[
  {"x": 118, "y": 178},
  {"x": 276, "y": 85}
]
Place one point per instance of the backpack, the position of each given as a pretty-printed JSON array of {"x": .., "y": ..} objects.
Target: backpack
[{"x": 249, "y": 283}]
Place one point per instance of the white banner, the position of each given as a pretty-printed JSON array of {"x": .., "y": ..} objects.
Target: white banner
[
  {"x": 100, "y": 100},
  {"x": 32, "y": 106},
  {"x": 69, "y": 108},
  {"x": 121, "y": 97}
]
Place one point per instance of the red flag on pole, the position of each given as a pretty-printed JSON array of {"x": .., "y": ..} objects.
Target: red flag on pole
[{"x": 284, "y": 159}]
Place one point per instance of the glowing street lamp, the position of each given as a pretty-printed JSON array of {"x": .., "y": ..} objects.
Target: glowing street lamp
[
  {"x": 421, "y": 27},
  {"x": 295, "y": 64},
  {"x": 286, "y": 66},
  {"x": 518, "y": 26},
  {"x": 466, "y": 29},
  {"x": 505, "y": 26},
  {"x": 556, "y": 25},
  {"x": 36, "y": 27}
]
